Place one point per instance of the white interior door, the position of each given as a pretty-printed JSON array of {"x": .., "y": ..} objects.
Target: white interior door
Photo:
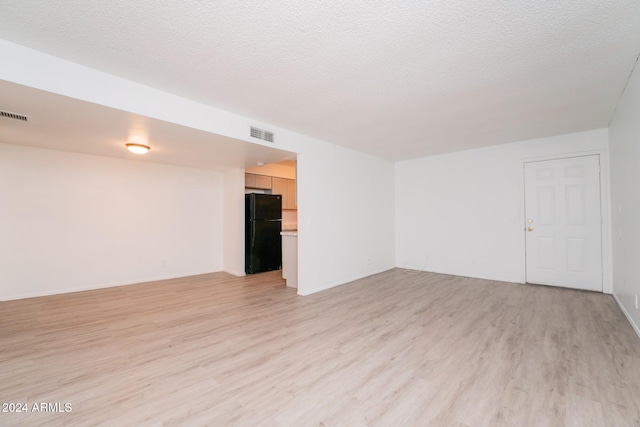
[{"x": 563, "y": 222}]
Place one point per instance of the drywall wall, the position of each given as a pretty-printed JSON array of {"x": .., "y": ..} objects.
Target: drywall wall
[
  {"x": 345, "y": 217},
  {"x": 345, "y": 203},
  {"x": 72, "y": 221},
  {"x": 624, "y": 135},
  {"x": 462, "y": 213},
  {"x": 233, "y": 220}
]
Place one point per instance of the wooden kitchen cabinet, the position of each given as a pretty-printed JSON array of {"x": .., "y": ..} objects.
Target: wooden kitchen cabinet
[
  {"x": 291, "y": 194},
  {"x": 287, "y": 188},
  {"x": 249, "y": 180},
  {"x": 279, "y": 186},
  {"x": 262, "y": 182}
]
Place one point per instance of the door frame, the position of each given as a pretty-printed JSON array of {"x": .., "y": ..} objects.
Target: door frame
[{"x": 605, "y": 209}]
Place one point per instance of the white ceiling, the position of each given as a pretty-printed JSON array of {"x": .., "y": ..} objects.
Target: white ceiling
[{"x": 397, "y": 79}]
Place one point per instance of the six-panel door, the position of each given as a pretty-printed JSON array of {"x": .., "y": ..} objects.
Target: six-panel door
[{"x": 563, "y": 223}]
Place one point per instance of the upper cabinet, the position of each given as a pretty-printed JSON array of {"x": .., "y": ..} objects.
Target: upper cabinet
[
  {"x": 279, "y": 186},
  {"x": 282, "y": 186},
  {"x": 287, "y": 188},
  {"x": 262, "y": 182},
  {"x": 291, "y": 194}
]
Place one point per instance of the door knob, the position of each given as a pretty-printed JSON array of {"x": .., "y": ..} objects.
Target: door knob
[{"x": 529, "y": 229}]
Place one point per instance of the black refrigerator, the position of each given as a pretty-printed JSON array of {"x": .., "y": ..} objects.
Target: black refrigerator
[{"x": 263, "y": 223}]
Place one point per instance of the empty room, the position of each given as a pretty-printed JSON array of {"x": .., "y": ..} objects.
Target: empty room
[{"x": 320, "y": 213}]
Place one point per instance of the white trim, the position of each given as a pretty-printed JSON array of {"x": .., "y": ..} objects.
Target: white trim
[
  {"x": 234, "y": 273},
  {"x": 103, "y": 286},
  {"x": 626, "y": 314},
  {"x": 605, "y": 211},
  {"x": 334, "y": 284},
  {"x": 501, "y": 279}
]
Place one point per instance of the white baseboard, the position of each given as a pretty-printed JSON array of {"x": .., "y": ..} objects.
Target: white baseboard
[
  {"x": 466, "y": 274},
  {"x": 235, "y": 273},
  {"x": 334, "y": 284},
  {"x": 101, "y": 286},
  {"x": 626, "y": 314}
]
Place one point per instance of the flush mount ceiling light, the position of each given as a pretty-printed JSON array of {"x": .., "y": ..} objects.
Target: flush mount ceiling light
[{"x": 138, "y": 148}]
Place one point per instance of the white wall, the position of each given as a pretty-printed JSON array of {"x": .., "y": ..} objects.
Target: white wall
[
  {"x": 342, "y": 223},
  {"x": 71, "y": 221},
  {"x": 233, "y": 220},
  {"x": 462, "y": 213},
  {"x": 345, "y": 217},
  {"x": 624, "y": 135}
]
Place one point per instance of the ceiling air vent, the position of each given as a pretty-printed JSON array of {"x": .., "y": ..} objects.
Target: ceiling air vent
[
  {"x": 14, "y": 116},
  {"x": 265, "y": 135}
]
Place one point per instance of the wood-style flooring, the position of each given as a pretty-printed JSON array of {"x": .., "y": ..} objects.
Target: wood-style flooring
[{"x": 396, "y": 349}]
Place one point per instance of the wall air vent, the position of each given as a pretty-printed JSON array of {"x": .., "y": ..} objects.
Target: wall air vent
[
  {"x": 14, "y": 116},
  {"x": 265, "y": 135}
]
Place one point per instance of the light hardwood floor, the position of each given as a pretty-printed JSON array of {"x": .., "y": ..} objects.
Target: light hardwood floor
[{"x": 395, "y": 349}]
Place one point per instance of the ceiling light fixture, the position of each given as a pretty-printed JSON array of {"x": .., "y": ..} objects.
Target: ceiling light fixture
[{"x": 138, "y": 148}]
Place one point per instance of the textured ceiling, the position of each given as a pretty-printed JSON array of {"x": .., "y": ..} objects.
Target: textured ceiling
[{"x": 398, "y": 79}]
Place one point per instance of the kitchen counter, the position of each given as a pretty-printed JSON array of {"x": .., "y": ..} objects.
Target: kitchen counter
[{"x": 290, "y": 257}]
